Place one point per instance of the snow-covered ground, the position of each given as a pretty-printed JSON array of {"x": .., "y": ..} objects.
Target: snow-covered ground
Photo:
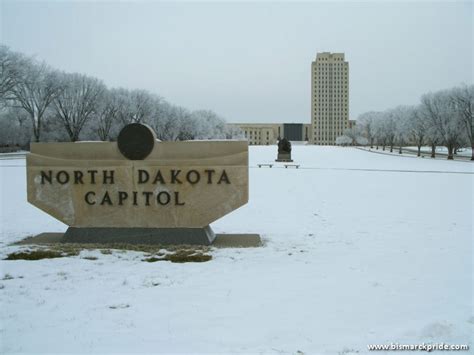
[{"x": 361, "y": 248}]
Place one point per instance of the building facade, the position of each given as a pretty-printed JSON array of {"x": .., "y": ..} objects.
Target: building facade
[
  {"x": 269, "y": 133},
  {"x": 329, "y": 97},
  {"x": 260, "y": 133},
  {"x": 329, "y": 108}
]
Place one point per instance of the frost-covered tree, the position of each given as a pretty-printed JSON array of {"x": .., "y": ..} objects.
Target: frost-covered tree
[
  {"x": 352, "y": 134},
  {"x": 366, "y": 122},
  {"x": 209, "y": 125},
  {"x": 361, "y": 140},
  {"x": 400, "y": 115},
  {"x": 77, "y": 101},
  {"x": 135, "y": 106},
  {"x": 463, "y": 102},
  {"x": 417, "y": 127},
  {"x": 383, "y": 132},
  {"x": 444, "y": 120},
  {"x": 233, "y": 132},
  {"x": 171, "y": 122},
  {"x": 390, "y": 126}
]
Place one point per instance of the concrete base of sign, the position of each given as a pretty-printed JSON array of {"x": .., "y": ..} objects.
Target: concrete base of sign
[
  {"x": 165, "y": 236},
  {"x": 284, "y": 157},
  {"x": 220, "y": 241},
  {"x": 237, "y": 241}
]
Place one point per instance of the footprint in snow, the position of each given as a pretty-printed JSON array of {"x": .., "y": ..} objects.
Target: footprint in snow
[
  {"x": 437, "y": 330},
  {"x": 119, "y": 306}
]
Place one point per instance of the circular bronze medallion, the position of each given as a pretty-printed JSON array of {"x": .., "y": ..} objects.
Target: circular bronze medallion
[{"x": 135, "y": 141}]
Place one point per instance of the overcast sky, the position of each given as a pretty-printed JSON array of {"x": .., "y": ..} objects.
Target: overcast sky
[{"x": 250, "y": 61}]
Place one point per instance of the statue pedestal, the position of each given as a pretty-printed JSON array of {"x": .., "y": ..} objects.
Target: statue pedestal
[{"x": 284, "y": 157}]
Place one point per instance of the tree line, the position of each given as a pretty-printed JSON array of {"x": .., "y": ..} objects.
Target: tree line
[
  {"x": 40, "y": 103},
  {"x": 442, "y": 118}
]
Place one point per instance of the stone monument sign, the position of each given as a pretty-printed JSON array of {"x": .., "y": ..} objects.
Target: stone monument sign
[{"x": 138, "y": 187}]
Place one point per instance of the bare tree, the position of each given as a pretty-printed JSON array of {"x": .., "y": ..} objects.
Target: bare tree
[
  {"x": 34, "y": 91},
  {"x": 107, "y": 113},
  {"x": 135, "y": 106},
  {"x": 463, "y": 99},
  {"x": 77, "y": 101},
  {"x": 141, "y": 105},
  {"x": 10, "y": 64},
  {"x": 14, "y": 127}
]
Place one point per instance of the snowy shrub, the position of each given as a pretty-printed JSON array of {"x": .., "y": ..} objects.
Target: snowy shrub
[{"x": 343, "y": 140}]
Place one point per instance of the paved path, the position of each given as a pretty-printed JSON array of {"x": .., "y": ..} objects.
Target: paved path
[{"x": 10, "y": 156}]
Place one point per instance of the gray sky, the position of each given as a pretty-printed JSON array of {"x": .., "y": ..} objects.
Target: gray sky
[{"x": 250, "y": 61}]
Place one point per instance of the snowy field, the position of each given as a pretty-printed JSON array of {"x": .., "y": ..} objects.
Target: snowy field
[{"x": 360, "y": 248}]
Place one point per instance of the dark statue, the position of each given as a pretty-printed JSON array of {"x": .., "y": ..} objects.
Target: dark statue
[{"x": 284, "y": 146}]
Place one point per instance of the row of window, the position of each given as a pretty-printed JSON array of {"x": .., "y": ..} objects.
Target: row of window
[
  {"x": 318, "y": 101},
  {"x": 334, "y": 104},
  {"x": 329, "y": 112},
  {"x": 329, "y": 85},
  {"x": 328, "y": 81},
  {"x": 326, "y": 85},
  {"x": 335, "y": 110},
  {"x": 328, "y": 125},
  {"x": 330, "y": 69},
  {"x": 256, "y": 132},
  {"x": 330, "y": 128},
  {"x": 334, "y": 77},
  {"x": 333, "y": 58},
  {"x": 330, "y": 77},
  {"x": 330, "y": 96},
  {"x": 333, "y": 97},
  {"x": 332, "y": 93},
  {"x": 324, "y": 101}
]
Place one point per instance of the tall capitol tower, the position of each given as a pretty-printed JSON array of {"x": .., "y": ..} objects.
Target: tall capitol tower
[{"x": 329, "y": 97}]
